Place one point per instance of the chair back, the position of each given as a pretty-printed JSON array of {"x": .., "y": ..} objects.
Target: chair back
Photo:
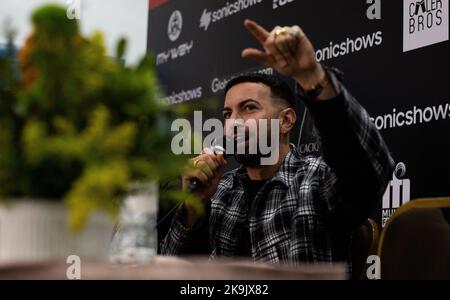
[
  {"x": 364, "y": 243},
  {"x": 415, "y": 243}
]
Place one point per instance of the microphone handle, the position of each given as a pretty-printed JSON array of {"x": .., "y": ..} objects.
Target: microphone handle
[
  {"x": 194, "y": 185},
  {"x": 194, "y": 182}
]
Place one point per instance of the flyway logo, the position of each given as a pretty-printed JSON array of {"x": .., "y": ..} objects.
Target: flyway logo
[
  {"x": 174, "y": 28},
  {"x": 209, "y": 17}
]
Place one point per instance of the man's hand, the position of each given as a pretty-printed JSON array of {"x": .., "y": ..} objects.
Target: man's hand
[
  {"x": 288, "y": 51},
  {"x": 208, "y": 168}
]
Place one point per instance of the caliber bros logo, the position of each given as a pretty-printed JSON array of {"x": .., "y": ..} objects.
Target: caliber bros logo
[
  {"x": 425, "y": 22},
  {"x": 397, "y": 192}
]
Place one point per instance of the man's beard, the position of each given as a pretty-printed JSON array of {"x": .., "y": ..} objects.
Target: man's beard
[{"x": 251, "y": 159}]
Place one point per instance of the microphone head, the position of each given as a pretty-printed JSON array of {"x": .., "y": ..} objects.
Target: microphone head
[{"x": 220, "y": 145}]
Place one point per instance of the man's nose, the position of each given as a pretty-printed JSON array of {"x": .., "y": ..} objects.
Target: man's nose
[{"x": 233, "y": 125}]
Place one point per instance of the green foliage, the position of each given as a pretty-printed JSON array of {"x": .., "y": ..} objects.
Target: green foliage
[{"x": 77, "y": 125}]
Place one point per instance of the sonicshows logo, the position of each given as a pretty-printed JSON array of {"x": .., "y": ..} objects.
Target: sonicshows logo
[
  {"x": 397, "y": 192},
  {"x": 174, "y": 28},
  {"x": 229, "y": 9},
  {"x": 425, "y": 22}
]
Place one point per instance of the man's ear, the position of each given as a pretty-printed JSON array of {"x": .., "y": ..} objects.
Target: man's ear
[{"x": 287, "y": 120}]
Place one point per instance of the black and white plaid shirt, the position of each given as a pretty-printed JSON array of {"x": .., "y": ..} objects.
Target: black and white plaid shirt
[{"x": 307, "y": 211}]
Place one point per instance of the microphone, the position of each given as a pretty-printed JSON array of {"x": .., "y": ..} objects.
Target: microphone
[{"x": 216, "y": 147}]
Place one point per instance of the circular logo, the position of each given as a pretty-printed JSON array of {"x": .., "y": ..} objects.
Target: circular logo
[
  {"x": 400, "y": 170},
  {"x": 175, "y": 25}
]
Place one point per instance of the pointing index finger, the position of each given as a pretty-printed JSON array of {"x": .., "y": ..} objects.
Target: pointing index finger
[{"x": 256, "y": 30}]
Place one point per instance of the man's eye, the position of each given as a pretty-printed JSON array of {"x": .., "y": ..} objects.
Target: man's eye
[
  {"x": 226, "y": 115},
  {"x": 250, "y": 108}
]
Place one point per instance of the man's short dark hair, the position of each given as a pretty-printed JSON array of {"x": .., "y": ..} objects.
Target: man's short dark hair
[{"x": 279, "y": 88}]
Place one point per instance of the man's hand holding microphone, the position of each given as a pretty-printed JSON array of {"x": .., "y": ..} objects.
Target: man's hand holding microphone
[{"x": 207, "y": 168}]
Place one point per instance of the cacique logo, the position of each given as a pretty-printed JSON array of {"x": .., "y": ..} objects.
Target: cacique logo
[
  {"x": 397, "y": 192},
  {"x": 425, "y": 22},
  {"x": 229, "y": 9}
]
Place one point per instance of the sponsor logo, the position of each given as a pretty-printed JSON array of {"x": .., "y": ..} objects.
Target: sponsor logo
[
  {"x": 209, "y": 17},
  {"x": 268, "y": 71},
  {"x": 174, "y": 28},
  {"x": 309, "y": 140},
  {"x": 309, "y": 148},
  {"x": 280, "y": 3},
  {"x": 219, "y": 84},
  {"x": 205, "y": 19},
  {"x": 174, "y": 53},
  {"x": 175, "y": 25},
  {"x": 312, "y": 146},
  {"x": 425, "y": 22},
  {"x": 412, "y": 116},
  {"x": 183, "y": 96},
  {"x": 349, "y": 46},
  {"x": 397, "y": 192}
]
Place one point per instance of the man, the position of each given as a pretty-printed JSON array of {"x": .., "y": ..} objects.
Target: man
[{"x": 300, "y": 209}]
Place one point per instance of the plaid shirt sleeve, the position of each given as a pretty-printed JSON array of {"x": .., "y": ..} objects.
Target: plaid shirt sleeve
[
  {"x": 180, "y": 239},
  {"x": 348, "y": 179},
  {"x": 176, "y": 237},
  {"x": 357, "y": 165}
]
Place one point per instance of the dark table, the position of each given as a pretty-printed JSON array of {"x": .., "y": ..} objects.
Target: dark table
[{"x": 175, "y": 268}]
